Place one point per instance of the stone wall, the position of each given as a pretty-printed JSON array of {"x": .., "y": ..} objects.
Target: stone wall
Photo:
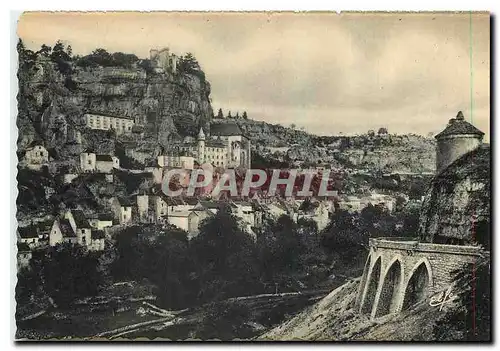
[{"x": 400, "y": 272}]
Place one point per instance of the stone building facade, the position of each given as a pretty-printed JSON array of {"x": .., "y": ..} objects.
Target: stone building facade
[
  {"x": 226, "y": 146},
  {"x": 121, "y": 124}
]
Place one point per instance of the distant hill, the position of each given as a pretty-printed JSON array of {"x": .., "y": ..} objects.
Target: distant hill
[{"x": 385, "y": 153}]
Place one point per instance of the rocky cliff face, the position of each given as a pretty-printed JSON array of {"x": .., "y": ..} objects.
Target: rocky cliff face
[
  {"x": 384, "y": 153},
  {"x": 456, "y": 208},
  {"x": 51, "y": 104}
]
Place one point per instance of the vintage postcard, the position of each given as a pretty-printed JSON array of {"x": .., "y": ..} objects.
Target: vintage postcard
[{"x": 253, "y": 176}]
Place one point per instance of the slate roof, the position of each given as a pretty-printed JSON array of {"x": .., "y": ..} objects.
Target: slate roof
[
  {"x": 125, "y": 202},
  {"x": 212, "y": 204},
  {"x": 28, "y": 232},
  {"x": 107, "y": 158},
  {"x": 66, "y": 229},
  {"x": 97, "y": 234},
  {"x": 216, "y": 143},
  {"x": 458, "y": 126},
  {"x": 105, "y": 216},
  {"x": 80, "y": 220},
  {"x": 225, "y": 129},
  {"x": 23, "y": 247}
]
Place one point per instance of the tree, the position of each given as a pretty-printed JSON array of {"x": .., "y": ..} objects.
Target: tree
[
  {"x": 237, "y": 115},
  {"x": 382, "y": 131},
  {"x": 26, "y": 57},
  {"x": 371, "y": 133},
  {"x": 220, "y": 115},
  {"x": 229, "y": 115},
  {"x": 161, "y": 256},
  {"x": 67, "y": 272},
  {"x": 293, "y": 126},
  {"x": 244, "y": 116},
  {"x": 123, "y": 60},
  {"x": 188, "y": 64},
  {"x": 343, "y": 237},
  {"x": 226, "y": 258},
  {"x": 61, "y": 58},
  {"x": 44, "y": 50}
]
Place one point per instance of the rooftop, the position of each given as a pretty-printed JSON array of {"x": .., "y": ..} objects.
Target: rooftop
[
  {"x": 216, "y": 143},
  {"x": 458, "y": 126},
  {"x": 66, "y": 229},
  {"x": 107, "y": 158},
  {"x": 28, "y": 232},
  {"x": 80, "y": 220}
]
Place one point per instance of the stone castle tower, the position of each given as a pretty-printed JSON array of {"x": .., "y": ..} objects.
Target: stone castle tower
[
  {"x": 162, "y": 58},
  {"x": 458, "y": 138}
]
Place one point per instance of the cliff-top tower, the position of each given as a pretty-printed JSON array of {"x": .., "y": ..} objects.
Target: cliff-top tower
[{"x": 458, "y": 138}]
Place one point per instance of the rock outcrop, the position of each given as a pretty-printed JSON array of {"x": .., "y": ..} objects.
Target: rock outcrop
[
  {"x": 51, "y": 104},
  {"x": 456, "y": 209}
]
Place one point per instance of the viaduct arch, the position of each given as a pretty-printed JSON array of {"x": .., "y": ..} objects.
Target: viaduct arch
[{"x": 401, "y": 272}]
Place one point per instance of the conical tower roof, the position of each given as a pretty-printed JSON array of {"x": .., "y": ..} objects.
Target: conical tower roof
[
  {"x": 458, "y": 126},
  {"x": 201, "y": 134}
]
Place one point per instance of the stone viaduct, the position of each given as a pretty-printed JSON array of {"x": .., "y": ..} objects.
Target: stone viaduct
[{"x": 400, "y": 272}]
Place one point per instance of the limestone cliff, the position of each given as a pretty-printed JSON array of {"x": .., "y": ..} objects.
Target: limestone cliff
[{"x": 51, "y": 104}]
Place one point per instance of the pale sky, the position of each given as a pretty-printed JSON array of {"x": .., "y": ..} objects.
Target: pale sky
[{"x": 326, "y": 72}]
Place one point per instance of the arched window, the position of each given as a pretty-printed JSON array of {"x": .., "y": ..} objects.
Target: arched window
[
  {"x": 390, "y": 290},
  {"x": 417, "y": 287}
]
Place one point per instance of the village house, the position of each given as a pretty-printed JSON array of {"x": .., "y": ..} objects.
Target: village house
[
  {"x": 176, "y": 160},
  {"x": 62, "y": 232},
  {"x": 101, "y": 221},
  {"x": 87, "y": 161},
  {"x": 317, "y": 211},
  {"x": 180, "y": 219},
  {"x": 36, "y": 155},
  {"x": 90, "y": 162},
  {"x": 142, "y": 205},
  {"x": 156, "y": 172},
  {"x": 195, "y": 218},
  {"x": 74, "y": 228},
  {"x": 122, "y": 209},
  {"x": 97, "y": 242},
  {"x": 104, "y": 163},
  {"x": 28, "y": 235},
  {"x": 80, "y": 225},
  {"x": 188, "y": 217},
  {"x": 245, "y": 211}
]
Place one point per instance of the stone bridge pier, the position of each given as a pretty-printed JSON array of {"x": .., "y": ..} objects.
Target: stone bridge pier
[{"x": 401, "y": 272}]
